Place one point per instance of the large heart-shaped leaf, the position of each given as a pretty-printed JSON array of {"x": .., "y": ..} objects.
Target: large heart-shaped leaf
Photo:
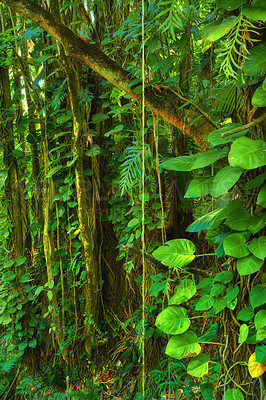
[
  {"x": 259, "y": 97},
  {"x": 245, "y": 314},
  {"x": 183, "y": 292},
  {"x": 199, "y": 366},
  {"x": 218, "y": 28},
  {"x": 203, "y": 222},
  {"x": 176, "y": 253},
  {"x": 225, "y": 211},
  {"x": 257, "y": 223},
  {"x": 243, "y": 333},
  {"x": 233, "y": 394},
  {"x": 260, "y": 354},
  {"x": 229, "y": 4},
  {"x": 248, "y": 265},
  {"x": 173, "y": 320},
  {"x": 199, "y": 160},
  {"x": 204, "y": 303},
  {"x": 225, "y": 179},
  {"x": 238, "y": 219},
  {"x": 247, "y": 153},
  {"x": 215, "y": 138},
  {"x": 258, "y": 247},
  {"x": 255, "y": 64},
  {"x": 184, "y": 345},
  {"x": 209, "y": 335},
  {"x": 258, "y": 295},
  {"x": 200, "y": 186},
  {"x": 255, "y": 12},
  {"x": 255, "y": 368},
  {"x": 260, "y": 319},
  {"x": 235, "y": 246}
]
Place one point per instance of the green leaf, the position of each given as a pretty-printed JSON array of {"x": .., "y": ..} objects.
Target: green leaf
[
  {"x": 258, "y": 247},
  {"x": 233, "y": 394},
  {"x": 245, "y": 314},
  {"x": 219, "y": 303},
  {"x": 215, "y": 137},
  {"x": 93, "y": 151},
  {"x": 225, "y": 179},
  {"x": 259, "y": 97},
  {"x": 260, "y": 319},
  {"x": 224, "y": 276},
  {"x": 235, "y": 246},
  {"x": 255, "y": 12},
  {"x": 199, "y": 366},
  {"x": 204, "y": 303},
  {"x": 209, "y": 335},
  {"x": 261, "y": 334},
  {"x": 261, "y": 200},
  {"x": 218, "y": 28},
  {"x": 50, "y": 295},
  {"x": 257, "y": 181},
  {"x": 203, "y": 222},
  {"x": 64, "y": 117},
  {"x": 224, "y": 212},
  {"x": 247, "y": 153},
  {"x": 157, "y": 287},
  {"x": 200, "y": 186},
  {"x": 255, "y": 64},
  {"x": 184, "y": 163},
  {"x": 243, "y": 333},
  {"x": 216, "y": 290},
  {"x": 229, "y": 4},
  {"x": 260, "y": 354},
  {"x": 199, "y": 160},
  {"x": 232, "y": 292},
  {"x": 176, "y": 253},
  {"x": 183, "y": 292},
  {"x": 257, "y": 223},
  {"x": 8, "y": 276},
  {"x": 24, "y": 278},
  {"x": 22, "y": 346},
  {"x": 20, "y": 260},
  {"x": 133, "y": 222},
  {"x": 258, "y": 295},
  {"x": 207, "y": 390},
  {"x": 248, "y": 265},
  {"x": 44, "y": 57},
  {"x": 173, "y": 320},
  {"x": 38, "y": 290},
  {"x": 184, "y": 345},
  {"x": 238, "y": 219},
  {"x": 98, "y": 118},
  {"x": 32, "y": 343}
]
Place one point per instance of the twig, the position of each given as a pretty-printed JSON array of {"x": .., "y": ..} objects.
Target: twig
[{"x": 243, "y": 127}]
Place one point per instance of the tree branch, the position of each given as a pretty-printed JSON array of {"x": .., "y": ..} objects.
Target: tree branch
[
  {"x": 165, "y": 102},
  {"x": 243, "y": 127}
]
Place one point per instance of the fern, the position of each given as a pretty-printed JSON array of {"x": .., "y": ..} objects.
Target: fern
[
  {"x": 232, "y": 58},
  {"x": 131, "y": 168},
  {"x": 179, "y": 15},
  {"x": 58, "y": 96}
]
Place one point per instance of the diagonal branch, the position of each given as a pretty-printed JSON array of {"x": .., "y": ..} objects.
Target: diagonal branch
[{"x": 165, "y": 102}]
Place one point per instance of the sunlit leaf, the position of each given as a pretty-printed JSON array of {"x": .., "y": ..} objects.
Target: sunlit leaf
[
  {"x": 199, "y": 366},
  {"x": 255, "y": 368},
  {"x": 184, "y": 345}
]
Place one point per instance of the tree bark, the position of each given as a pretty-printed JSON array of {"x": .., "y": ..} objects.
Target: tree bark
[{"x": 162, "y": 101}]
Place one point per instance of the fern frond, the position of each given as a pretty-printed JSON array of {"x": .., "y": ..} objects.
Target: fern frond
[{"x": 131, "y": 168}]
